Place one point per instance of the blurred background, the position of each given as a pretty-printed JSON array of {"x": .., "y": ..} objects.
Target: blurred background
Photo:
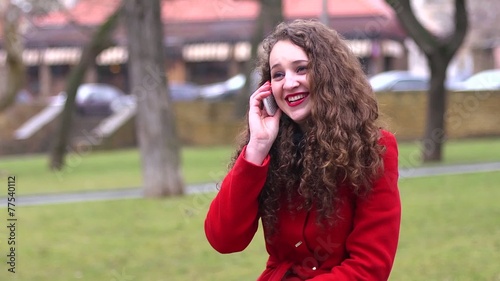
[{"x": 208, "y": 51}]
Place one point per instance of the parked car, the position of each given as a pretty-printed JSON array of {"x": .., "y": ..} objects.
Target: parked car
[
  {"x": 125, "y": 101},
  {"x": 24, "y": 96},
  {"x": 225, "y": 89},
  {"x": 96, "y": 98},
  {"x": 397, "y": 80},
  {"x": 92, "y": 98},
  {"x": 483, "y": 80},
  {"x": 178, "y": 92},
  {"x": 184, "y": 91}
]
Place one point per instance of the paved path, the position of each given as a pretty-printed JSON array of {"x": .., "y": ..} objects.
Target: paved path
[
  {"x": 102, "y": 195},
  {"x": 132, "y": 193},
  {"x": 448, "y": 170}
]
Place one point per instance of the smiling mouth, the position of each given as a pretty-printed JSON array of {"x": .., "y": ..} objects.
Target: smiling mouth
[{"x": 294, "y": 100}]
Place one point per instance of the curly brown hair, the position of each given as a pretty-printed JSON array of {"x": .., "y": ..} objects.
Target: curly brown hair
[{"x": 341, "y": 145}]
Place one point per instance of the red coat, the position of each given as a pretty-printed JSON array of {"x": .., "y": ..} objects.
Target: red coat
[{"x": 360, "y": 246}]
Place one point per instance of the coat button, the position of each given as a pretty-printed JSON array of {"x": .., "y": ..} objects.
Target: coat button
[{"x": 314, "y": 268}]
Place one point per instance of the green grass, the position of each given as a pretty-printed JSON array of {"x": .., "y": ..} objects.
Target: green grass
[
  {"x": 107, "y": 169},
  {"x": 450, "y": 228},
  {"x": 450, "y": 231},
  {"x": 99, "y": 170},
  {"x": 455, "y": 152},
  {"x": 139, "y": 239}
]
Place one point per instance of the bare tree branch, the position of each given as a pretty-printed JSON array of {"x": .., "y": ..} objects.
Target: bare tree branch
[
  {"x": 422, "y": 37},
  {"x": 14, "y": 48},
  {"x": 100, "y": 41},
  {"x": 271, "y": 13},
  {"x": 461, "y": 27}
]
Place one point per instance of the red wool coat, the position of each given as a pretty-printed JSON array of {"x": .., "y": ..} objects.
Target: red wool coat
[{"x": 359, "y": 246}]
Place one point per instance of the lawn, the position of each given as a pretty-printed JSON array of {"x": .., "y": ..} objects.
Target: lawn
[
  {"x": 121, "y": 168},
  {"x": 107, "y": 170},
  {"x": 450, "y": 231},
  {"x": 450, "y": 228},
  {"x": 455, "y": 152}
]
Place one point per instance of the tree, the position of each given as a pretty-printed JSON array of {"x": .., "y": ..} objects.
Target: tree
[
  {"x": 11, "y": 13},
  {"x": 156, "y": 130},
  {"x": 270, "y": 15},
  {"x": 14, "y": 48},
  {"x": 439, "y": 51},
  {"x": 100, "y": 41}
]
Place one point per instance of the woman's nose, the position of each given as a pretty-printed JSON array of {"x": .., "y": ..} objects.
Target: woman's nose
[{"x": 290, "y": 82}]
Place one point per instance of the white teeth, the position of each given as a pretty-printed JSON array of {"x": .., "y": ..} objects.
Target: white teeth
[{"x": 296, "y": 98}]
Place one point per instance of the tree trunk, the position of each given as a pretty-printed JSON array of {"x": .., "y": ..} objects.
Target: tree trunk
[
  {"x": 156, "y": 130},
  {"x": 99, "y": 42},
  {"x": 270, "y": 15},
  {"x": 14, "y": 63},
  {"x": 439, "y": 52},
  {"x": 435, "y": 129}
]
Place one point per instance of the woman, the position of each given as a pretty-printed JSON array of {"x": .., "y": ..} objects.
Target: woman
[{"x": 319, "y": 173}]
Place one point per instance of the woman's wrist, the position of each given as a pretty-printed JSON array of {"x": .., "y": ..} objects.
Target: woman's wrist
[{"x": 256, "y": 153}]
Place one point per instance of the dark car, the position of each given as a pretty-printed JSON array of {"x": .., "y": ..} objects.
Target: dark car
[
  {"x": 96, "y": 99},
  {"x": 178, "y": 92},
  {"x": 92, "y": 98}
]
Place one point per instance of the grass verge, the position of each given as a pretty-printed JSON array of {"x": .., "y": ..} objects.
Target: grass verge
[
  {"x": 107, "y": 170},
  {"x": 449, "y": 232},
  {"x": 121, "y": 168}
]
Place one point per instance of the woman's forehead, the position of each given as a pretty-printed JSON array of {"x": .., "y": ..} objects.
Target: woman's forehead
[{"x": 286, "y": 51}]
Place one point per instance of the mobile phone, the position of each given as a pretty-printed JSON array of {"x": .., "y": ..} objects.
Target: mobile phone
[{"x": 270, "y": 105}]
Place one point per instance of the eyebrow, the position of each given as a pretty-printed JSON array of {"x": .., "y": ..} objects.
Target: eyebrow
[{"x": 293, "y": 62}]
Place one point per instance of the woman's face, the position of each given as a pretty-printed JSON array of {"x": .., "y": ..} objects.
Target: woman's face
[{"x": 288, "y": 63}]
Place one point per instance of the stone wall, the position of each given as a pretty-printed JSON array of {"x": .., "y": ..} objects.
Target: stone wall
[
  {"x": 207, "y": 123},
  {"x": 470, "y": 114}
]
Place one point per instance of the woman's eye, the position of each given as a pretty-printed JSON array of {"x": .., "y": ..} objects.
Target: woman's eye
[
  {"x": 277, "y": 75},
  {"x": 301, "y": 69}
]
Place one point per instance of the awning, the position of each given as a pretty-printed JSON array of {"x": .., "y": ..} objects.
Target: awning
[
  {"x": 68, "y": 56},
  {"x": 241, "y": 50},
  {"x": 191, "y": 53}
]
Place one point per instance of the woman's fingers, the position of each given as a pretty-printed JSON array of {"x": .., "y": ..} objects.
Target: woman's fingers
[
  {"x": 263, "y": 127},
  {"x": 257, "y": 97}
]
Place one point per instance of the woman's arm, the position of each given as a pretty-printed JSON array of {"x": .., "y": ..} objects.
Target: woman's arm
[
  {"x": 372, "y": 244},
  {"x": 232, "y": 218}
]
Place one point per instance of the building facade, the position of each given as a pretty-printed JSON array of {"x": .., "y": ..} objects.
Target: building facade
[{"x": 205, "y": 41}]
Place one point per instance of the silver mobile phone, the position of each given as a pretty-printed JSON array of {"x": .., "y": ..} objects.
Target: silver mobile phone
[{"x": 270, "y": 105}]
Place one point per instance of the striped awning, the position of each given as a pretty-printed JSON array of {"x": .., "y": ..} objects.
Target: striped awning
[
  {"x": 216, "y": 52},
  {"x": 241, "y": 51},
  {"x": 68, "y": 56},
  {"x": 191, "y": 53}
]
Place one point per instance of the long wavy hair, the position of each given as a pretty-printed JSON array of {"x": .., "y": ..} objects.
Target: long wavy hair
[{"x": 341, "y": 145}]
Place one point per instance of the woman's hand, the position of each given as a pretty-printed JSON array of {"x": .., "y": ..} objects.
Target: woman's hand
[{"x": 263, "y": 127}]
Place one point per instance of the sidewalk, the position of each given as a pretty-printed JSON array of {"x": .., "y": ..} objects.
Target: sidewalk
[{"x": 134, "y": 193}]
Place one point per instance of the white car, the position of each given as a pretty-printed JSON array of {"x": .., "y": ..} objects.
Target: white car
[
  {"x": 483, "y": 80},
  {"x": 397, "y": 80},
  {"x": 223, "y": 89}
]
